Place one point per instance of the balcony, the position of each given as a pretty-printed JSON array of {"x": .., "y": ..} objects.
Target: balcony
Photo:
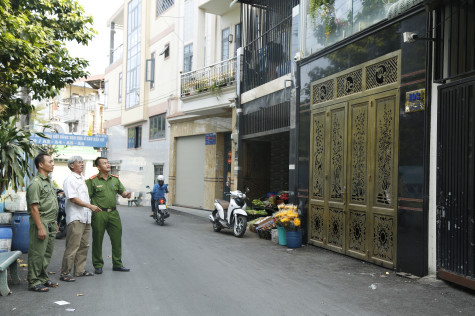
[
  {"x": 209, "y": 79},
  {"x": 217, "y": 7},
  {"x": 268, "y": 57}
]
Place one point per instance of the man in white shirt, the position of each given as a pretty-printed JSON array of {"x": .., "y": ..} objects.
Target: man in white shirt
[{"x": 78, "y": 218}]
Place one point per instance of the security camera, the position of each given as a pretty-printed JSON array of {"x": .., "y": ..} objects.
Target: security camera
[
  {"x": 409, "y": 37},
  {"x": 297, "y": 56}
]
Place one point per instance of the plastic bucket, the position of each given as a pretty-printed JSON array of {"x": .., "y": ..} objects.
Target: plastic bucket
[
  {"x": 5, "y": 218},
  {"x": 281, "y": 233},
  {"x": 5, "y": 238},
  {"x": 21, "y": 231},
  {"x": 294, "y": 239}
]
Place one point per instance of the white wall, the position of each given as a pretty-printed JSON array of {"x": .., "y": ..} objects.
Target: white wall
[
  {"x": 137, "y": 165},
  {"x": 432, "y": 220}
]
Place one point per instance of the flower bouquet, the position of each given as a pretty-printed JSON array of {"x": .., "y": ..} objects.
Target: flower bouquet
[{"x": 287, "y": 217}]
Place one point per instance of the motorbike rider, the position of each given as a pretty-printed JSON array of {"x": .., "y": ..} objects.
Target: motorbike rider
[{"x": 158, "y": 192}]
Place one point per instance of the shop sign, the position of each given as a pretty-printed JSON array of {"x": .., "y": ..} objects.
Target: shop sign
[
  {"x": 70, "y": 140},
  {"x": 210, "y": 139},
  {"x": 415, "y": 100}
]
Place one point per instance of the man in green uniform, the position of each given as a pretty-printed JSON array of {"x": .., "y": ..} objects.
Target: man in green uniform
[
  {"x": 43, "y": 210},
  {"x": 103, "y": 189}
]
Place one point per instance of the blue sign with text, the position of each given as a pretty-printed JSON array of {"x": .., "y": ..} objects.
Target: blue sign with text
[
  {"x": 70, "y": 140},
  {"x": 210, "y": 139}
]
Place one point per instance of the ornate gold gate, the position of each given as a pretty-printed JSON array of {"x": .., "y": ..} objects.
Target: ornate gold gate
[{"x": 353, "y": 171}]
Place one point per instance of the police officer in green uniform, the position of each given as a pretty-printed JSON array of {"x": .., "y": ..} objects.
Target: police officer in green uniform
[
  {"x": 43, "y": 210},
  {"x": 103, "y": 189}
]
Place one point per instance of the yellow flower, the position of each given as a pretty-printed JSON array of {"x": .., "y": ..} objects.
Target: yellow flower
[{"x": 297, "y": 222}]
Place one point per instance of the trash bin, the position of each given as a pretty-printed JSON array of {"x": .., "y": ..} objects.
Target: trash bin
[{"x": 21, "y": 231}]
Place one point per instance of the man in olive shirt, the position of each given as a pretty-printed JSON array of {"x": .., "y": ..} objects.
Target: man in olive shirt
[
  {"x": 43, "y": 208},
  {"x": 103, "y": 189}
]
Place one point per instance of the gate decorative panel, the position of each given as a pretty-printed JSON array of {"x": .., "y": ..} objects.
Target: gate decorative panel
[
  {"x": 357, "y": 231},
  {"x": 316, "y": 225},
  {"x": 336, "y": 227},
  {"x": 383, "y": 238},
  {"x": 318, "y": 156},
  {"x": 359, "y": 150},
  {"x": 349, "y": 83},
  {"x": 382, "y": 73},
  {"x": 323, "y": 91},
  {"x": 384, "y": 151},
  {"x": 337, "y": 154}
]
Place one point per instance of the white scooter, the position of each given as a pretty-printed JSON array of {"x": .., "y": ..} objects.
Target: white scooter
[{"x": 230, "y": 214}]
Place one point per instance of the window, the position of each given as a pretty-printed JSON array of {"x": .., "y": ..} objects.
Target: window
[
  {"x": 237, "y": 37},
  {"x": 157, "y": 170},
  {"x": 165, "y": 51},
  {"x": 188, "y": 58},
  {"x": 150, "y": 71},
  {"x": 133, "y": 55},
  {"x": 163, "y": 5},
  {"x": 134, "y": 137},
  {"x": 157, "y": 126},
  {"x": 73, "y": 126},
  {"x": 106, "y": 93},
  {"x": 120, "y": 87},
  {"x": 225, "y": 44}
]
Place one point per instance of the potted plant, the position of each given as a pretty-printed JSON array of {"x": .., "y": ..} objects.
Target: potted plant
[
  {"x": 16, "y": 149},
  {"x": 288, "y": 225}
]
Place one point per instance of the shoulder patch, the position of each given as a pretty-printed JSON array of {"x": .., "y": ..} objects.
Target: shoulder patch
[
  {"x": 115, "y": 176},
  {"x": 93, "y": 177}
]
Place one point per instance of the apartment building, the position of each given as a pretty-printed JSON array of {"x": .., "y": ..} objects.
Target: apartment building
[
  {"x": 201, "y": 150},
  {"x": 141, "y": 84}
]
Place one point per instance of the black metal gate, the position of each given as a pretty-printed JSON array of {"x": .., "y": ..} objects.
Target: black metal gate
[{"x": 456, "y": 183}]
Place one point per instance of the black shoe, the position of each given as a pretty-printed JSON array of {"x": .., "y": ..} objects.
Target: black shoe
[
  {"x": 121, "y": 269},
  {"x": 98, "y": 271}
]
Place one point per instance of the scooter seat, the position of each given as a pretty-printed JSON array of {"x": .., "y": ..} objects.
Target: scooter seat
[{"x": 224, "y": 204}]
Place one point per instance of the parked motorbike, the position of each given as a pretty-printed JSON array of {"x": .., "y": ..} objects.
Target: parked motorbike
[
  {"x": 230, "y": 214},
  {"x": 159, "y": 209},
  {"x": 61, "y": 219}
]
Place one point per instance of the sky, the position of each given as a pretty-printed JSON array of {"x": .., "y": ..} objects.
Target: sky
[{"x": 97, "y": 50}]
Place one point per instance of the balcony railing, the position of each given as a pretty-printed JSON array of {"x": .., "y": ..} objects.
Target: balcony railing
[
  {"x": 267, "y": 57},
  {"x": 209, "y": 79},
  {"x": 115, "y": 55}
]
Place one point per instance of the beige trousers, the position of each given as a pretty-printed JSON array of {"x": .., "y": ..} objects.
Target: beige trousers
[{"x": 77, "y": 245}]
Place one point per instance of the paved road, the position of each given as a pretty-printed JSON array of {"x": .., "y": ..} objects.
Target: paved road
[{"x": 184, "y": 268}]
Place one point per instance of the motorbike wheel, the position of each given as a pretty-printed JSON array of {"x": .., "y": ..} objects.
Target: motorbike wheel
[
  {"x": 216, "y": 226},
  {"x": 159, "y": 218},
  {"x": 240, "y": 225}
]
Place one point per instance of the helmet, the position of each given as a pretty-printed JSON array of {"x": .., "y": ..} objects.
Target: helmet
[{"x": 160, "y": 178}]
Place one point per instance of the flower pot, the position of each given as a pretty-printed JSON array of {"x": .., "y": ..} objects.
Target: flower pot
[
  {"x": 281, "y": 233},
  {"x": 294, "y": 239}
]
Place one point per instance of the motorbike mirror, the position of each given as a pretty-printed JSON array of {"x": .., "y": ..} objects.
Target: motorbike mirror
[{"x": 148, "y": 187}]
